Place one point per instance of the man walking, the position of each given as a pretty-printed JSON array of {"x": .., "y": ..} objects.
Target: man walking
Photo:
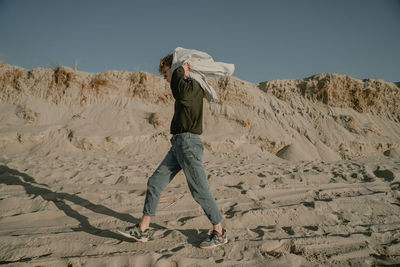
[{"x": 185, "y": 154}]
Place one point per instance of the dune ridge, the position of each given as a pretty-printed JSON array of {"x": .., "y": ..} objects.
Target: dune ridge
[{"x": 333, "y": 115}]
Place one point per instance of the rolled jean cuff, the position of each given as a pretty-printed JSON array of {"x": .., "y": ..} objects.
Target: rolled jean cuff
[
  {"x": 148, "y": 213},
  {"x": 216, "y": 223}
]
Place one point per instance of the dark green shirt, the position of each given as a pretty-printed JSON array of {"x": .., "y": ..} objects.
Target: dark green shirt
[{"x": 188, "y": 114}]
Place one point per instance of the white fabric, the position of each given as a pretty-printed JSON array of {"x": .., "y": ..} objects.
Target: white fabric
[{"x": 201, "y": 63}]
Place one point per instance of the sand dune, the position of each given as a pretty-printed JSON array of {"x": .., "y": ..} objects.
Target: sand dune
[{"x": 306, "y": 172}]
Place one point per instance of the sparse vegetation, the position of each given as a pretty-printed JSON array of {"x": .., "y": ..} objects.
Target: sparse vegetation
[
  {"x": 157, "y": 119},
  {"x": 97, "y": 82},
  {"x": 63, "y": 77},
  {"x": 232, "y": 92},
  {"x": 13, "y": 78},
  {"x": 61, "y": 80},
  {"x": 245, "y": 122},
  {"x": 140, "y": 87},
  {"x": 27, "y": 114},
  {"x": 338, "y": 90},
  {"x": 223, "y": 82},
  {"x": 137, "y": 82}
]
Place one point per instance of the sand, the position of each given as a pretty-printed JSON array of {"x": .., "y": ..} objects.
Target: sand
[{"x": 306, "y": 172}]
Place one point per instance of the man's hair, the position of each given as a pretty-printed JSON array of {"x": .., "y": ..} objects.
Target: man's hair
[{"x": 165, "y": 61}]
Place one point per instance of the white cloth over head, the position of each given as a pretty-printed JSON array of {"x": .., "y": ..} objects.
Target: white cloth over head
[{"x": 201, "y": 63}]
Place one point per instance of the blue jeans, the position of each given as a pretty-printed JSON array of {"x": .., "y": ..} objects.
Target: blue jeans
[{"x": 185, "y": 154}]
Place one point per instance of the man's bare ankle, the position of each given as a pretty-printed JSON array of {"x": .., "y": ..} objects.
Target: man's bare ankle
[
  {"x": 143, "y": 227},
  {"x": 218, "y": 228}
]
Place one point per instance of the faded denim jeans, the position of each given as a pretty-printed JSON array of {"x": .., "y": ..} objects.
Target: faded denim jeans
[{"x": 185, "y": 154}]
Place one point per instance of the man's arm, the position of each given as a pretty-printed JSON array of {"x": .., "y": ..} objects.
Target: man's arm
[{"x": 180, "y": 87}]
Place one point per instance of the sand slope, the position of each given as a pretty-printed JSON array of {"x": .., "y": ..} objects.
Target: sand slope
[{"x": 306, "y": 172}]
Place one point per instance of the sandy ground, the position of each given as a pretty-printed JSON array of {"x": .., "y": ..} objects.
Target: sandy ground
[{"x": 63, "y": 211}]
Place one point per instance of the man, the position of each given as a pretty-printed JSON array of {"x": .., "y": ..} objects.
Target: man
[{"x": 185, "y": 154}]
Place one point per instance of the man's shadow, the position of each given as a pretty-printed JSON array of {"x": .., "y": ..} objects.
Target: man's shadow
[{"x": 13, "y": 177}]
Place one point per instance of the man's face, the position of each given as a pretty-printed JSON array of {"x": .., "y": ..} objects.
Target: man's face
[{"x": 167, "y": 74}]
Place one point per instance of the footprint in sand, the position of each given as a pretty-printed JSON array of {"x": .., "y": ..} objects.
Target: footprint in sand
[
  {"x": 395, "y": 186},
  {"x": 309, "y": 204},
  {"x": 324, "y": 196},
  {"x": 260, "y": 230},
  {"x": 288, "y": 230},
  {"x": 367, "y": 179},
  {"x": 387, "y": 175},
  {"x": 177, "y": 248},
  {"x": 238, "y": 186},
  {"x": 311, "y": 227},
  {"x": 185, "y": 219},
  {"x": 231, "y": 212}
]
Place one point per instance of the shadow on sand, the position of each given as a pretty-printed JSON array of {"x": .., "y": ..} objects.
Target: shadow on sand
[{"x": 13, "y": 177}]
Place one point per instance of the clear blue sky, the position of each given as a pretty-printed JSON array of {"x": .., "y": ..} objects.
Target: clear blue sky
[{"x": 266, "y": 40}]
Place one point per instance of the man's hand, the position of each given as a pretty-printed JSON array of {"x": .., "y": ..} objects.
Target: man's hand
[{"x": 186, "y": 67}]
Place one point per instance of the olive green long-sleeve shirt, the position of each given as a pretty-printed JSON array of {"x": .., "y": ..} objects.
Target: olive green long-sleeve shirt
[{"x": 188, "y": 113}]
